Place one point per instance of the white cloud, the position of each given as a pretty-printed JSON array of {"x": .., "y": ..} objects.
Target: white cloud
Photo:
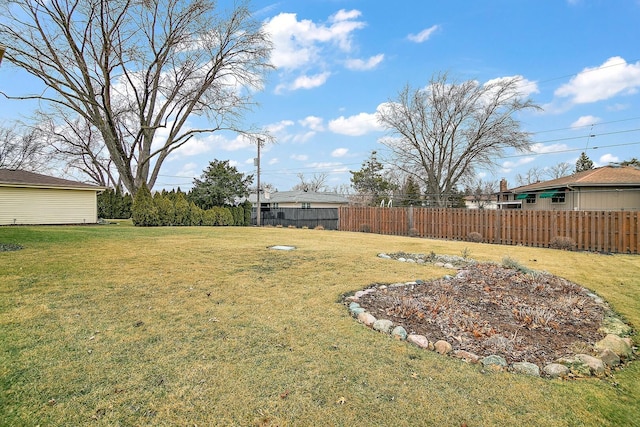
[
  {"x": 614, "y": 77},
  {"x": 274, "y": 161},
  {"x": 313, "y": 123},
  {"x": 310, "y": 48},
  {"x": 339, "y": 152},
  {"x": 299, "y": 43},
  {"x": 279, "y": 126},
  {"x": 618, "y": 107},
  {"x": 509, "y": 165},
  {"x": 524, "y": 87},
  {"x": 305, "y": 82},
  {"x": 300, "y": 157},
  {"x": 540, "y": 148},
  {"x": 333, "y": 167},
  {"x": 303, "y": 137},
  {"x": 585, "y": 121},
  {"x": 423, "y": 35},
  {"x": 606, "y": 159},
  {"x": 357, "y": 125},
  {"x": 362, "y": 65}
]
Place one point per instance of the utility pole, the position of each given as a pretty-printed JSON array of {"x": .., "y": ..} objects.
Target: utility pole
[
  {"x": 258, "y": 210},
  {"x": 3, "y": 49}
]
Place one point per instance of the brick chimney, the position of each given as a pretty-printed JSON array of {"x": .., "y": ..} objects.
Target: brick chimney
[{"x": 503, "y": 185}]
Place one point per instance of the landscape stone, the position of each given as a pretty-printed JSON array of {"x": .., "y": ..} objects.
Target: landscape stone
[
  {"x": 526, "y": 368},
  {"x": 384, "y": 256},
  {"x": 357, "y": 310},
  {"x": 419, "y": 340},
  {"x": 467, "y": 356},
  {"x": 399, "y": 333},
  {"x": 595, "y": 365},
  {"x": 494, "y": 360},
  {"x": 609, "y": 358},
  {"x": 616, "y": 344},
  {"x": 448, "y": 265},
  {"x": 402, "y": 259},
  {"x": 555, "y": 370},
  {"x": 442, "y": 347},
  {"x": 576, "y": 366},
  {"x": 614, "y": 326},
  {"x": 383, "y": 325},
  {"x": 366, "y": 318}
]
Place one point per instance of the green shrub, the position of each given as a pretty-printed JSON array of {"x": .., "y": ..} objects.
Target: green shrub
[
  {"x": 182, "y": 210},
  {"x": 166, "y": 210},
  {"x": 209, "y": 217},
  {"x": 225, "y": 217},
  {"x": 195, "y": 214},
  {"x": 247, "y": 212},
  {"x": 145, "y": 212}
]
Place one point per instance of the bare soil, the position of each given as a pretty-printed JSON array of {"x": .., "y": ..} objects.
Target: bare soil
[{"x": 491, "y": 309}]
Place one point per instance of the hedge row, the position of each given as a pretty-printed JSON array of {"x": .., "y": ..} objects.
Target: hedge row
[{"x": 173, "y": 209}]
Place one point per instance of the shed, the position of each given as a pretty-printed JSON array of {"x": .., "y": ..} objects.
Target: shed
[{"x": 32, "y": 198}]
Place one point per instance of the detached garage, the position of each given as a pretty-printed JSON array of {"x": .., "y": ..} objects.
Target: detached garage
[{"x": 31, "y": 198}]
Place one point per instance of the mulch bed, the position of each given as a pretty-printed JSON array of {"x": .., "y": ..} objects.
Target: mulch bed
[{"x": 491, "y": 309}]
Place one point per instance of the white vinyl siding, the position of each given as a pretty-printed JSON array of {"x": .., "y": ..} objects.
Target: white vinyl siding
[{"x": 47, "y": 206}]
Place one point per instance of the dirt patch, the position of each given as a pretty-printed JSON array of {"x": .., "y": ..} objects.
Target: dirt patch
[{"x": 489, "y": 309}]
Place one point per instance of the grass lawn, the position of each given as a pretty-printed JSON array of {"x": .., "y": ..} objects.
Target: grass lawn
[{"x": 116, "y": 325}]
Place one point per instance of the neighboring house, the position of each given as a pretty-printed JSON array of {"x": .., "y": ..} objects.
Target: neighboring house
[
  {"x": 31, "y": 198},
  {"x": 299, "y": 199},
  {"x": 608, "y": 188},
  {"x": 481, "y": 202}
]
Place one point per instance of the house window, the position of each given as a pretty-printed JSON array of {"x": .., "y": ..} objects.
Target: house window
[
  {"x": 306, "y": 205},
  {"x": 531, "y": 199},
  {"x": 274, "y": 205},
  {"x": 558, "y": 198}
]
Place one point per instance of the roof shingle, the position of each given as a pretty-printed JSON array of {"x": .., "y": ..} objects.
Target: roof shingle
[{"x": 13, "y": 177}]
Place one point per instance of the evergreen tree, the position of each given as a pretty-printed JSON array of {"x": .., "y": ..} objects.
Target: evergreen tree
[
  {"x": 370, "y": 182},
  {"x": 181, "y": 209},
  {"x": 219, "y": 185},
  {"x": 410, "y": 193},
  {"x": 166, "y": 210},
  {"x": 583, "y": 163},
  {"x": 145, "y": 212}
]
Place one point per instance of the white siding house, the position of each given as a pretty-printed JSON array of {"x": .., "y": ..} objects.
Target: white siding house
[{"x": 31, "y": 198}]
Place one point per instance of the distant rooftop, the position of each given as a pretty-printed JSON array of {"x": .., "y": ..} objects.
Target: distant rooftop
[{"x": 605, "y": 176}]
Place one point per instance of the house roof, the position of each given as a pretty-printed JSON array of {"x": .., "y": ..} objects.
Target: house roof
[
  {"x": 298, "y": 196},
  {"x": 20, "y": 178},
  {"x": 606, "y": 176}
]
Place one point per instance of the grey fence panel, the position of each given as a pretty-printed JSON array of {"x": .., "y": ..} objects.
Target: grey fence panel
[{"x": 297, "y": 217}]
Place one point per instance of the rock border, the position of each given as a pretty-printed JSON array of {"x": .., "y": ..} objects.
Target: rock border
[{"x": 608, "y": 354}]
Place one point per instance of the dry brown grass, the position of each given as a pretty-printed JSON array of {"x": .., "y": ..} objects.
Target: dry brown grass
[{"x": 117, "y": 325}]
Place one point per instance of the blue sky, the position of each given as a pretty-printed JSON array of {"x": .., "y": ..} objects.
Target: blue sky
[{"x": 339, "y": 60}]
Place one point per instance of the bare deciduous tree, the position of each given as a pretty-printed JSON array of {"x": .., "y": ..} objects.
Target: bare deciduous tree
[
  {"x": 317, "y": 183},
  {"x": 533, "y": 175},
  {"x": 559, "y": 170},
  {"x": 138, "y": 70},
  {"x": 79, "y": 146},
  {"x": 442, "y": 133},
  {"x": 23, "y": 150}
]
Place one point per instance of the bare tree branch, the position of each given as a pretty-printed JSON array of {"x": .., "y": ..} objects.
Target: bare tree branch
[
  {"x": 442, "y": 133},
  {"x": 137, "y": 71}
]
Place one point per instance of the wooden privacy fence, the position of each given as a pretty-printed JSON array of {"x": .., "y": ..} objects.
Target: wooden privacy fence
[{"x": 599, "y": 231}]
